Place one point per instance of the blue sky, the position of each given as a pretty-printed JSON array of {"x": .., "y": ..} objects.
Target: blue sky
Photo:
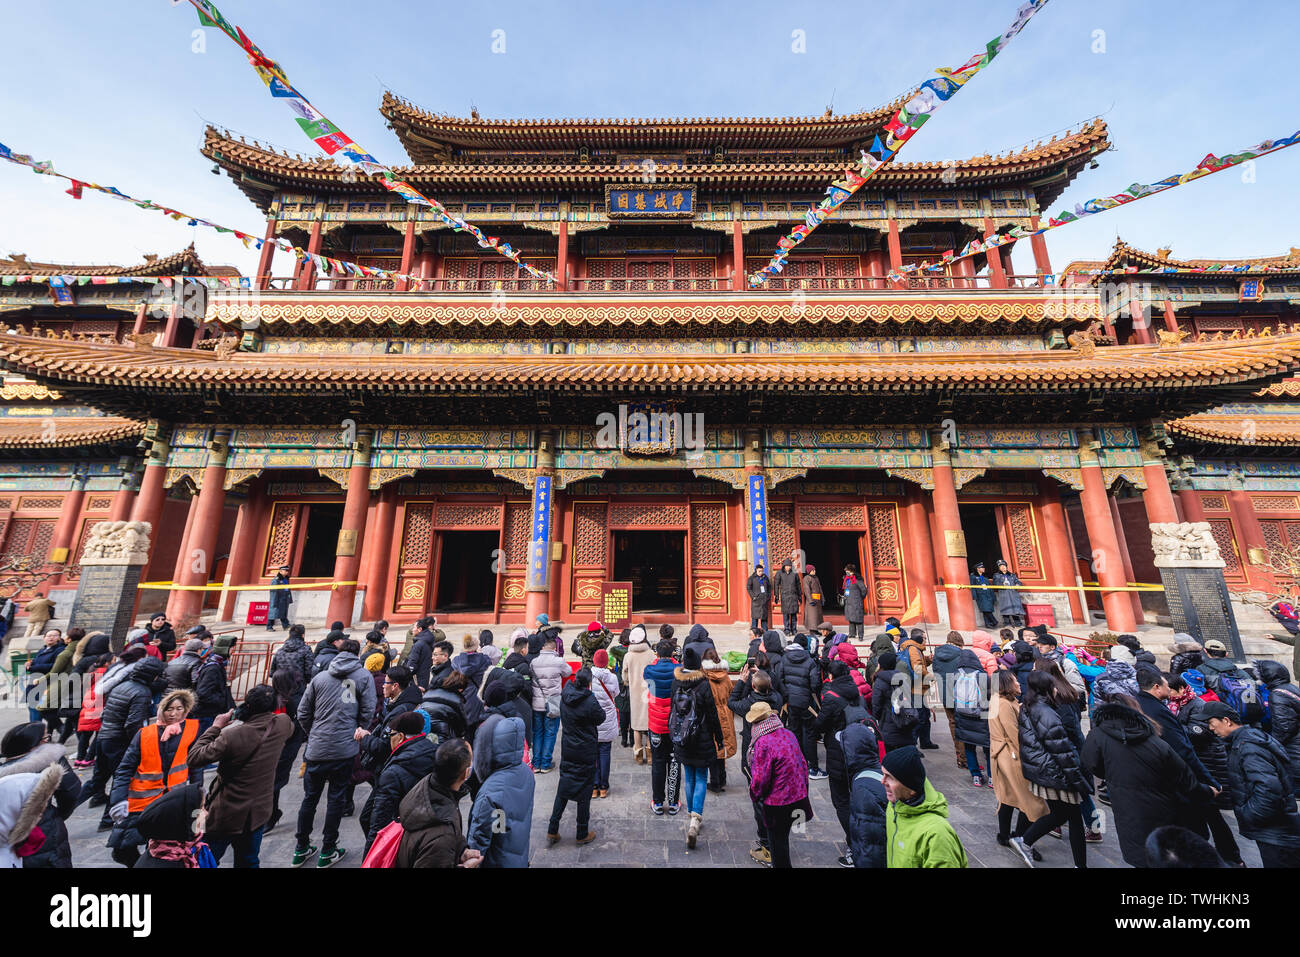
[{"x": 112, "y": 92}]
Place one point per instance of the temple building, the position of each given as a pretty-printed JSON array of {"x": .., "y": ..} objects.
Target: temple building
[{"x": 473, "y": 442}]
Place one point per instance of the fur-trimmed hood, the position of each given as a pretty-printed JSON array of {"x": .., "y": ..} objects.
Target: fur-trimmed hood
[
  {"x": 35, "y": 800},
  {"x": 687, "y": 676},
  {"x": 184, "y": 694},
  {"x": 716, "y": 666},
  {"x": 34, "y": 761}
]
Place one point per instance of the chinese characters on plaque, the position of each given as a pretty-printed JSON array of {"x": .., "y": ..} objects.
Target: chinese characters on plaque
[
  {"x": 539, "y": 546},
  {"x": 758, "y": 520},
  {"x": 650, "y": 202}
]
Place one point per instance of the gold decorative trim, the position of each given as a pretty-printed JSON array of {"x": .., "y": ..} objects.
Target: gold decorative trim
[
  {"x": 920, "y": 476},
  {"x": 736, "y": 478},
  {"x": 524, "y": 477},
  {"x": 1070, "y": 477},
  {"x": 381, "y": 477},
  {"x": 961, "y": 476},
  {"x": 236, "y": 476},
  {"x": 338, "y": 476},
  {"x": 776, "y": 476},
  {"x": 564, "y": 477},
  {"x": 191, "y": 476},
  {"x": 618, "y": 313},
  {"x": 1132, "y": 474},
  {"x": 17, "y": 391}
]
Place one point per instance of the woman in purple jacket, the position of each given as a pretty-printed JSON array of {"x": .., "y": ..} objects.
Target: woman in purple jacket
[{"x": 778, "y": 779}]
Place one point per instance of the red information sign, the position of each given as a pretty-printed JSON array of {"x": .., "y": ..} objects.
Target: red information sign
[
  {"x": 616, "y": 605},
  {"x": 257, "y": 612}
]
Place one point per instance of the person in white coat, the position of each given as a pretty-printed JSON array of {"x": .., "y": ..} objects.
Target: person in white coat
[
  {"x": 604, "y": 686},
  {"x": 639, "y": 654}
]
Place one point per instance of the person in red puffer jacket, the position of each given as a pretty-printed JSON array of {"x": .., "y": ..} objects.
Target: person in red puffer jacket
[{"x": 659, "y": 684}]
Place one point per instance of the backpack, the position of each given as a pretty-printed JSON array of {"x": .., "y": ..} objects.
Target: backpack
[
  {"x": 966, "y": 693},
  {"x": 383, "y": 853},
  {"x": 1245, "y": 696},
  {"x": 684, "y": 722}
]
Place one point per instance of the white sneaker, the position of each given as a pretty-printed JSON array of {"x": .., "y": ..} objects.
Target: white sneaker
[{"x": 1019, "y": 844}]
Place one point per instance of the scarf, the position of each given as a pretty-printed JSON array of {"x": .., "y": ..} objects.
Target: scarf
[
  {"x": 769, "y": 724},
  {"x": 185, "y": 851},
  {"x": 1179, "y": 699}
]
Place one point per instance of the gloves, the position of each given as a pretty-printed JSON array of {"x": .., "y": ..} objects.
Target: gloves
[{"x": 119, "y": 812}]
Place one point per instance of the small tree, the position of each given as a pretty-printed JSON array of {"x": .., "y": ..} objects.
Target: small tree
[{"x": 1283, "y": 565}]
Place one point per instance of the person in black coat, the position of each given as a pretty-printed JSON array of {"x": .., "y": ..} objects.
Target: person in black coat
[
  {"x": 841, "y": 704},
  {"x": 694, "y": 749},
  {"x": 446, "y": 711},
  {"x": 1284, "y": 707},
  {"x": 855, "y": 602},
  {"x": 867, "y": 798},
  {"x": 698, "y": 639},
  {"x": 25, "y": 749},
  {"x": 420, "y": 659},
  {"x": 168, "y": 826},
  {"x": 580, "y": 717},
  {"x": 774, "y": 648},
  {"x": 1052, "y": 765},
  {"x": 400, "y": 696},
  {"x": 1149, "y": 784},
  {"x": 515, "y": 692},
  {"x": 1202, "y": 817},
  {"x": 1263, "y": 792},
  {"x": 759, "y": 588},
  {"x": 891, "y": 707},
  {"x": 801, "y": 683},
  {"x": 411, "y": 758},
  {"x": 159, "y": 628},
  {"x": 787, "y": 588}
]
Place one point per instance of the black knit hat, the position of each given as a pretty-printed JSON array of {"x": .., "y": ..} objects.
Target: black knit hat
[
  {"x": 18, "y": 741},
  {"x": 690, "y": 659},
  {"x": 906, "y": 765}
]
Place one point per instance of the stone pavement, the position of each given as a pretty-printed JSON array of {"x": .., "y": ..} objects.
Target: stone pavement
[{"x": 629, "y": 835}]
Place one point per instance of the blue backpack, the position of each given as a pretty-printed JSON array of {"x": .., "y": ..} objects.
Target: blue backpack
[{"x": 1244, "y": 695}]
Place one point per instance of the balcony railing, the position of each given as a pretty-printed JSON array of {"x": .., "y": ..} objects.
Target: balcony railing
[{"x": 640, "y": 286}]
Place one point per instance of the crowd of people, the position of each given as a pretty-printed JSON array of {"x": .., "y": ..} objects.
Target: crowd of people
[{"x": 428, "y": 727}]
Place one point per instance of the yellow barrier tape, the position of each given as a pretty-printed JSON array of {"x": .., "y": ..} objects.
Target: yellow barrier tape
[
  {"x": 1089, "y": 586},
  {"x": 172, "y": 586}
]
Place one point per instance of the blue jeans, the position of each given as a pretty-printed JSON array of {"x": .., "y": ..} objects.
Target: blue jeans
[
  {"x": 695, "y": 787},
  {"x": 972, "y": 761},
  {"x": 602, "y": 767},
  {"x": 544, "y": 732},
  {"x": 246, "y": 847}
]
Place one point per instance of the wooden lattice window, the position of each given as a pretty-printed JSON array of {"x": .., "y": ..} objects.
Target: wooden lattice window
[
  {"x": 884, "y": 536},
  {"x": 1221, "y": 529},
  {"x": 780, "y": 534},
  {"x": 606, "y": 275},
  {"x": 279, "y": 547},
  {"x": 589, "y": 534},
  {"x": 1214, "y": 503},
  {"x": 1020, "y": 529},
  {"x": 1273, "y": 503},
  {"x": 844, "y": 515},
  {"x": 518, "y": 530},
  {"x": 467, "y": 515},
  {"x": 638, "y": 515},
  {"x": 688, "y": 273},
  {"x": 28, "y": 537},
  {"x": 708, "y": 542}
]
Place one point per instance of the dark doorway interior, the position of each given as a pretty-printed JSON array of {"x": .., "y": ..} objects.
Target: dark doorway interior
[
  {"x": 466, "y": 582},
  {"x": 321, "y": 544},
  {"x": 980, "y": 524},
  {"x": 655, "y": 564},
  {"x": 829, "y": 552}
]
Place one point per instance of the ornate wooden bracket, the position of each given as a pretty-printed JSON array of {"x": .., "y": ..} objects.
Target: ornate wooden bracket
[
  {"x": 736, "y": 478},
  {"x": 564, "y": 477},
  {"x": 961, "y": 476},
  {"x": 338, "y": 476},
  {"x": 921, "y": 476},
  {"x": 381, "y": 477},
  {"x": 1070, "y": 477},
  {"x": 524, "y": 477},
  {"x": 191, "y": 476},
  {"x": 1132, "y": 474},
  {"x": 237, "y": 476}
]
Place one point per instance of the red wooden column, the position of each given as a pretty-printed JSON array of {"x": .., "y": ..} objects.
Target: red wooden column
[
  {"x": 1171, "y": 320},
  {"x": 562, "y": 257},
  {"x": 122, "y": 503},
  {"x": 738, "y": 280},
  {"x": 966, "y": 270},
  {"x": 919, "y": 552},
  {"x": 1190, "y": 501},
  {"x": 1042, "y": 264},
  {"x": 65, "y": 530},
  {"x": 268, "y": 253},
  {"x": 243, "y": 545},
  {"x": 1107, "y": 558},
  {"x": 379, "y": 544},
  {"x": 895, "y": 245},
  {"x": 408, "y": 255},
  {"x": 997, "y": 275},
  {"x": 1134, "y": 598},
  {"x": 1141, "y": 324},
  {"x": 1250, "y": 534},
  {"x": 961, "y": 604},
  {"x": 148, "y": 504},
  {"x": 182, "y": 554},
  {"x": 347, "y": 557},
  {"x": 1056, "y": 538},
  {"x": 1008, "y": 269},
  {"x": 307, "y": 275},
  {"x": 1157, "y": 497},
  {"x": 200, "y": 549}
]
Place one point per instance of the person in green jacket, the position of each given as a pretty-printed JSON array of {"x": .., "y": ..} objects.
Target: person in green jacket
[{"x": 917, "y": 832}]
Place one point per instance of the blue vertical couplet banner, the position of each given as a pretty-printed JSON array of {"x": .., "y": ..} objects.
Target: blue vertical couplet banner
[
  {"x": 758, "y": 519},
  {"x": 539, "y": 548}
]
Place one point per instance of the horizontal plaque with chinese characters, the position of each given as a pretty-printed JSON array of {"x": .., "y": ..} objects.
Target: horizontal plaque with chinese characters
[{"x": 650, "y": 202}]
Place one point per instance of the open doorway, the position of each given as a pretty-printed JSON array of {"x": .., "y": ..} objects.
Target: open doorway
[
  {"x": 320, "y": 544},
  {"x": 655, "y": 563},
  {"x": 983, "y": 544},
  {"x": 829, "y": 552},
  {"x": 466, "y": 582}
]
